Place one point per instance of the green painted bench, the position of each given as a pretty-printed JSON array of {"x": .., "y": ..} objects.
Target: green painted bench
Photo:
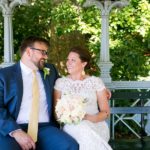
[{"x": 137, "y": 99}]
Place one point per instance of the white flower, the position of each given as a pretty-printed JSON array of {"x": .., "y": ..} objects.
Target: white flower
[
  {"x": 46, "y": 71},
  {"x": 70, "y": 109}
]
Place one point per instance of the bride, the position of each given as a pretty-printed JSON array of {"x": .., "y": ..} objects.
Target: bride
[{"x": 92, "y": 133}]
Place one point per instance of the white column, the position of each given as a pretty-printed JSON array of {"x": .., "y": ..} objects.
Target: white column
[
  {"x": 7, "y": 7},
  {"x": 105, "y": 7},
  {"x": 105, "y": 65},
  {"x": 8, "y": 39},
  {"x": 104, "y": 53}
]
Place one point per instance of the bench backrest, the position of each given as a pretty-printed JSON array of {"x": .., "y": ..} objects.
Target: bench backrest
[
  {"x": 130, "y": 95},
  {"x": 118, "y": 113}
]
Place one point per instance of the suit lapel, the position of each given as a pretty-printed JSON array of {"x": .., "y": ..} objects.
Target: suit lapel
[
  {"x": 19, "y": 87},
  {"x": 47, "y": 90}
]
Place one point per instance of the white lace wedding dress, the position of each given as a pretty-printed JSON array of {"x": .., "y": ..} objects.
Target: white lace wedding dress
[{"x": 90, "y": 136}]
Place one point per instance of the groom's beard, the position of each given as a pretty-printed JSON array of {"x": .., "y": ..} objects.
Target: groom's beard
[{"x": 41, "y": 64}]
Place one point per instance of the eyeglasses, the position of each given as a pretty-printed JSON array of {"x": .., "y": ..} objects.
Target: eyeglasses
[{"x": 43, "y": 52}]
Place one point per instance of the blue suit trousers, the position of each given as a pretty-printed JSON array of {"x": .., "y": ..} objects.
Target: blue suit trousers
[{"x": 49, "y": 138}]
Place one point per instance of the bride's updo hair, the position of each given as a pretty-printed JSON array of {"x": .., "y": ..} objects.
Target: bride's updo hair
[{"x": 83, "y": 53}]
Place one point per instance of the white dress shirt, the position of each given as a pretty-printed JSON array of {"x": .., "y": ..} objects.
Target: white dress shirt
[{"x": 23, "y": 116}]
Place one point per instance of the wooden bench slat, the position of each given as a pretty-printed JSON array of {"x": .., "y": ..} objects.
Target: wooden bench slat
[
  {"x": 130, "y": 110},
  {"x": 139, "y": 108},
  {"x": 124, "y": 95}
]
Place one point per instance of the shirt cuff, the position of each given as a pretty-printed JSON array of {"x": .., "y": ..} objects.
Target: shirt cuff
[{"x": 11, "y": 133}]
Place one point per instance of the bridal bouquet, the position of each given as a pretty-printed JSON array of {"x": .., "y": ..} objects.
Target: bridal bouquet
[{"x": 70, "y": 109}]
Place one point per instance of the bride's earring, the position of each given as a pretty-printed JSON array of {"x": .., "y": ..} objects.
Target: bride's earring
[{"x": 83, "y": 73}]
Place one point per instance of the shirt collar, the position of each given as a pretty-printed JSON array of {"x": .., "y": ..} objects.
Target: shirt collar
[{"x": 25, "y": 69}]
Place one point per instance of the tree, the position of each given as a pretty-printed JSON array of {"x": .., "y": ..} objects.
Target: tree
[
  {"x": 130, "y": 32},
  {"x": 66, "y": 23}
]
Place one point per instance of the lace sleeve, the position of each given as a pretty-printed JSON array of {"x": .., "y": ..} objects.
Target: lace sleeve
[
  {"x": 99, "y": 85},
  {"x": 58, "y": 84}
]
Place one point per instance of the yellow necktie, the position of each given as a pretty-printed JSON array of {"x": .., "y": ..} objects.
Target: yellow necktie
[{"x": 34, "y": 113}]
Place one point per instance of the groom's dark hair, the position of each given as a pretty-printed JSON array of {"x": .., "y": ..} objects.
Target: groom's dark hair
[{"x": 29, "y": 42}]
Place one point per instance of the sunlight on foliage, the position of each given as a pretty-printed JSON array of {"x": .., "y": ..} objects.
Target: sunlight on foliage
[{"x": 66, "y": 23}]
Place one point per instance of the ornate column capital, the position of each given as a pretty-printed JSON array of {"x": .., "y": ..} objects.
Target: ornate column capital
[
  {"x": 7, "y": 7},
  {"x": 106, "y": 5}
]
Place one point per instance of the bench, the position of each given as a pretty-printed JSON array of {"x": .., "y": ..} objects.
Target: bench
[{"x": 125, "y": 112}]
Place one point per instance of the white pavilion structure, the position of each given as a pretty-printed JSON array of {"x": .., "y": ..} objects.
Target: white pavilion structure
[{"x": 7, "y": 7}]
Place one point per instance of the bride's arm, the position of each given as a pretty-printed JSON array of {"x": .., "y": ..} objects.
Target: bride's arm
[
  {"x": 102, "y": 98},
  {"x": 57, "y": 96}
]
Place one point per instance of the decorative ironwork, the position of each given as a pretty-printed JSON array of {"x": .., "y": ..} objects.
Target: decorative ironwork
[{"x": 7, "y": 7}]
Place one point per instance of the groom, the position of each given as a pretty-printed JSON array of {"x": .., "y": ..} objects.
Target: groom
[{"x": 16, "y": 102}]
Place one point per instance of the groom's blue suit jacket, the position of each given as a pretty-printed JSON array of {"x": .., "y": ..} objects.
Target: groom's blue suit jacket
[{"x": 11, "y": 91}]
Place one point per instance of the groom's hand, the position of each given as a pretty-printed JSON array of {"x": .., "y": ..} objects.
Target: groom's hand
[{"x": 24, "y": 140}]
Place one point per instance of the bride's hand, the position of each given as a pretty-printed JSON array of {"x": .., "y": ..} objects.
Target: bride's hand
[
  {"x": 86, "y": 117},
  {"x": 96, "y": 117},
  {"x": 91, "y": 118}
]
